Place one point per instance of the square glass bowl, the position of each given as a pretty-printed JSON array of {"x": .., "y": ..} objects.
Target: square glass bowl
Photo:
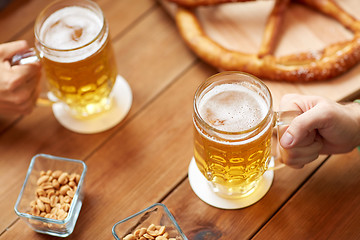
[
  {"x": 44, "y": 162},
  {"x": 157, "y": 214}
]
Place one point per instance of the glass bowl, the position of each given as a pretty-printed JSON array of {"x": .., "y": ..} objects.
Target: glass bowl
[
  {"x": 157, "y": 214},
  {"x": 54, "y": 227}
]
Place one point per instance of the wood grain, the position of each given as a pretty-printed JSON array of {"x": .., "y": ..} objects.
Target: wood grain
[
  {"x": 326, "y": 207},
  {"x": 144, "y": 159}
]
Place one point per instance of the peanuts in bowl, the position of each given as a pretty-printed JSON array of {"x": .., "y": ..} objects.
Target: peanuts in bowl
[
  {"x": 51, "y": 197},
  {"x": 54, "y": 194},
  {"x": 152, "y": 232},
  {"x": 154, "y": 222}
]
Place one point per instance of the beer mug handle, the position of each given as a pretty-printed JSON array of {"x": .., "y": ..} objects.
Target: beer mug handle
[
  {"x": 282, "y": 120},
  {"x": 26, "y": 58}
]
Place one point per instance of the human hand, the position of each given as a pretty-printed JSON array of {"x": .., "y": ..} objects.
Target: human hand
[
  {"x": 19, "y": 84},
  {"x": 324, "y": 127}
]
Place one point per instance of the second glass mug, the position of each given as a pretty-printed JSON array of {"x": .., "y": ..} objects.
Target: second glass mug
[
  {"x": 233, "y": 122},
  {"x": 73, "y": 44}
]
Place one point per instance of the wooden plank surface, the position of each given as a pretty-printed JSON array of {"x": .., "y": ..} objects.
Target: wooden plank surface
[
  {"x": 326, "y": 207},
  {"x": 144, "y": 159}
]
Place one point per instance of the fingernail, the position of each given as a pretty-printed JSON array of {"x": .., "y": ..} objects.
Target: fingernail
[{"x": 286, "y": 140}]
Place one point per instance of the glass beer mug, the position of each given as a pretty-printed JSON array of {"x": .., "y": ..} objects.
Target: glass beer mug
[
  {"x": 73, "y": 44},
  {"x": 233, "y": 122}
]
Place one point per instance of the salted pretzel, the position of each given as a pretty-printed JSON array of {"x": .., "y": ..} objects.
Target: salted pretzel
[{"x": 324, "y": 64}]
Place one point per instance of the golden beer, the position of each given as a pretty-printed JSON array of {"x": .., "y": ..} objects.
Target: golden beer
[
  {"x": 74, "y": 46},
  {"x": 233, "y": 123}
]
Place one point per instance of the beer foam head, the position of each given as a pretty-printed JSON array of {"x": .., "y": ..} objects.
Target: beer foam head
[
  {"x": 232, "y": 108},
  {"x": 70, "y": 27}
]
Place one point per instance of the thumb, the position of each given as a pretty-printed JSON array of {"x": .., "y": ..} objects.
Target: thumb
[{"x": 302, "y": 130}]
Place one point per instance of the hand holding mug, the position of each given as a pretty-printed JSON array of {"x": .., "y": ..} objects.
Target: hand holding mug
[
  {"x": 73, "y": 44},
  {"x": 19, "y": 85},
  {"x": 325, "y": 127}
]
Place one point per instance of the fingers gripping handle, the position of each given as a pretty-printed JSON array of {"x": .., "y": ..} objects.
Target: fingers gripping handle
[
  {"x": 283, "y": 119},
  {"x": 26, "y": 58}
]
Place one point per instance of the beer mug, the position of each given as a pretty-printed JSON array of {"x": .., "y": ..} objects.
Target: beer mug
[
  {"x": 73, "y": 44},
  {"x": 233, "y": 122}
]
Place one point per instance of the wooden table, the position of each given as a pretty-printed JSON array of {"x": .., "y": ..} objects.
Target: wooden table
[{"x": 144, "y": 159}]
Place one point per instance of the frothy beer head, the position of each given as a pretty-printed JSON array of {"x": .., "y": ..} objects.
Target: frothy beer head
[
  {"x": 232, "y": 108},
  {"x": 70, "y": 28}
]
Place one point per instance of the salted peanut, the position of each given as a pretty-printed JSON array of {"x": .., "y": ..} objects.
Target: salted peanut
[
  {"x": 129, "y": 237},
  {"x": 152, "y": 230},
  {"x": 161, "y": 238},
  {"x": 54, "y": 200},
  {"x": 72, "y": 184},
  {"x": 65, "y": 207},
  {"x": 47, "y": 185},
  {"x": 161, "y": 230},
  {"x": 142, "y": 231},
  {"x": 77, "y": 178},
  {"x": 61, "y": 199},
  {"x": 67, "y": 199},
  {"x": 152, "y": 227},
  {"x": 48, "y": 172},
  {"x": 35, "y": 211},
  {"x": 40, "y": 205},
  {"x": 42, "y": 214},
  {"x": 70, "y": 193},
  {"x": 47, "y": 208},
  {"x": 64, "y": 178},
  {"x": 153, "y": 233},
  {"x": 155, "y": 230},
  {"x": 42, "y": 179},
  {"x": 172, "y": 238},
  {"x": 148, "y": 236},
  {"x": 166, "y": 234},
  {"x": 40, "y": 192},
  {"x": 55, "y": 183},
  {"x": 72, "y": 177},
  {"x": 56, "y": 174},
  {"x": 142, "y": 238},
  {"x": 61, "y": 214},
  {"x": 137, "y": 233},
  {"x": 44, "y": 199},
  {"x": 54, "y": 211},
  {"x": 50, "y": 192},
  {"x": 64, "y": 189}
]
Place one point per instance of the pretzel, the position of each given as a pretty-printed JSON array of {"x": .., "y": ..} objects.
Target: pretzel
[{"x": 324, "y": 64}]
